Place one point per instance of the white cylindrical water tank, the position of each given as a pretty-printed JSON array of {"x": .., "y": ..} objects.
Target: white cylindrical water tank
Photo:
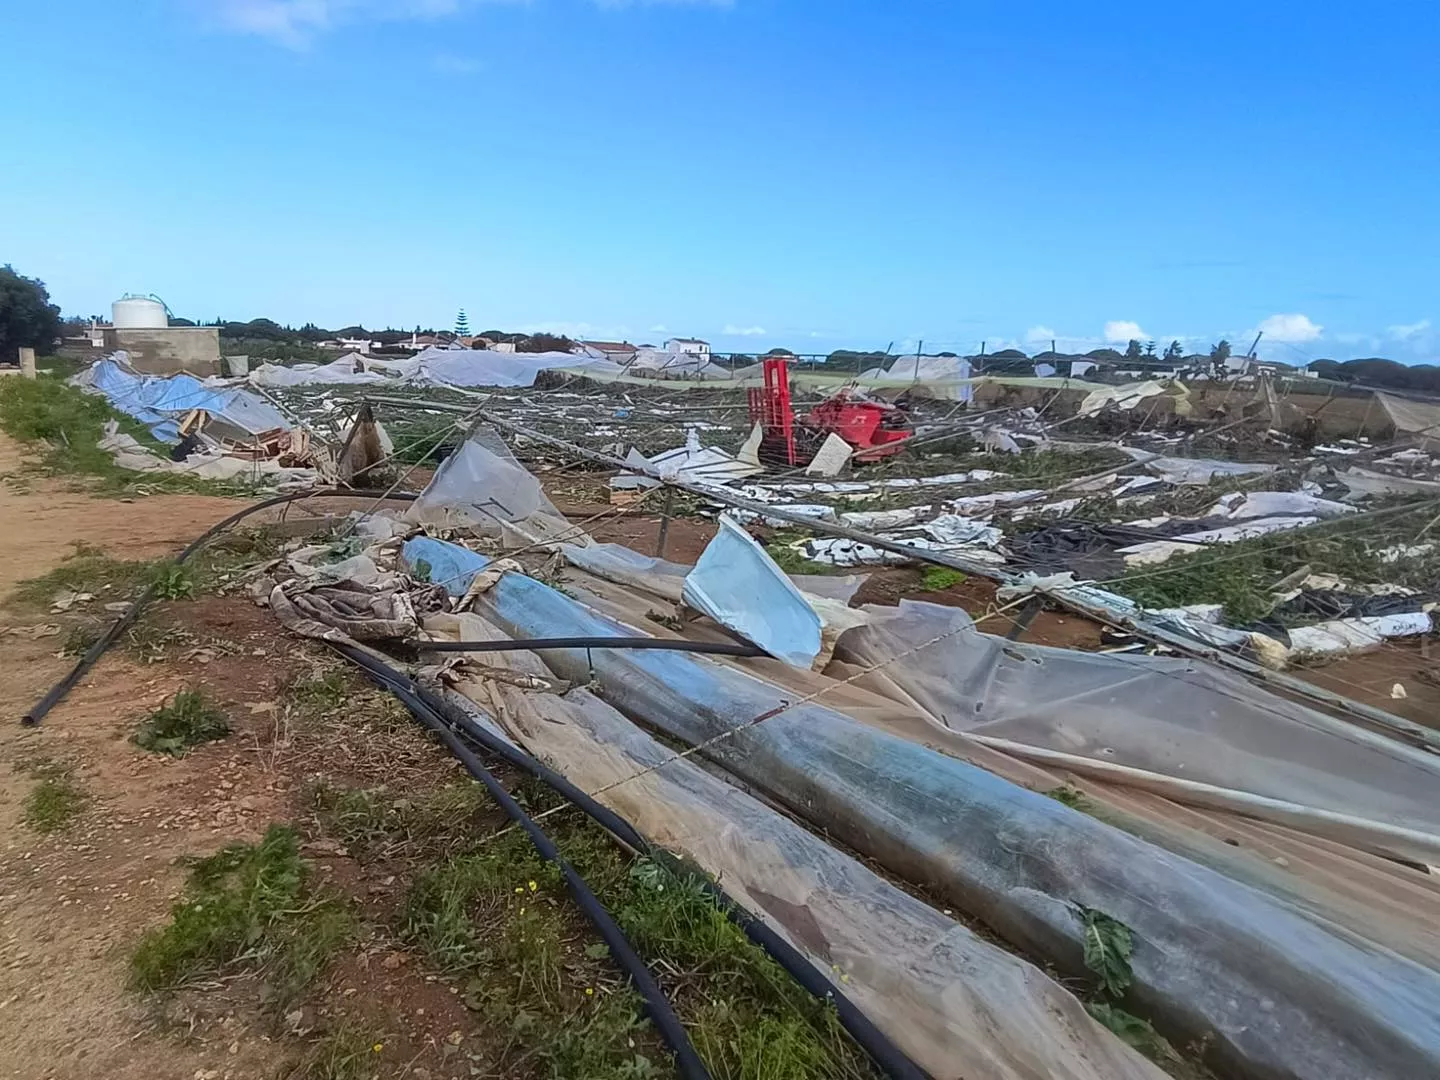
[{"x": 138, "y": 312}]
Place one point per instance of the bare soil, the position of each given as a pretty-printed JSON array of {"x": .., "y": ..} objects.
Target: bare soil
[{"x": 74, "y": 903}]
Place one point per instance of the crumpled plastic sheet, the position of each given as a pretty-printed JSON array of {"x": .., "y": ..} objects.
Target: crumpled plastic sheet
[
  {"x": 482, "y": 487},
  {"x": 161, "y": 401},
  {"x": 959, "y": 1006},
  {"x": 1164, "y": 716},
  {"x": 1273, "y": 993},
  {"x": 741, "y": 588}
]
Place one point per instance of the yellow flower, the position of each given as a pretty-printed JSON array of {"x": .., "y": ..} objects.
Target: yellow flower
[
  {"x": 533, "y": 886},
  {"x": 377, "y": 1048},
  {"x": 589, "y": 991},
  {"x": 520, "y": 888}
]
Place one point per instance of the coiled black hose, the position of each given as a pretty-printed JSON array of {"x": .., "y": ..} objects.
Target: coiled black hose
[
  {"x": 687, "y": 1061},
  {"x": 54, "y": 695},
  {"x": 888, "y": 1057}
]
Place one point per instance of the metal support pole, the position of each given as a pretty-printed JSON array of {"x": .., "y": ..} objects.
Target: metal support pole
[{"x": 664, "y": 522}]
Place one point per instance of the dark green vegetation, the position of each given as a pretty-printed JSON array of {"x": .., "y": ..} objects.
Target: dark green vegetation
[
  {"x": 64, "y": 425},
  {"x": 788, "y": 559},
  {"x": 54, "y": 802},
  {"x": 249, "y": 908},
  {"x": 1241, "y": 575},
  {"x": 1107, "y": 947},
  {"x": 27, "y": 318},
  {"x": 939, "y": 578},
  {"x": 187, "y": 720}
]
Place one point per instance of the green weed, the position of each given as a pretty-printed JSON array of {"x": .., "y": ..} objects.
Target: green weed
[
  {"x": 80, "y": 639},
  {"x": 187, "y": 721},
  {"x": 86, "y": 569},
  {"x": 54, "y": 802},
  {"x": 372, "y": 820},
  {"x": 321, "y": 694},
  {"x": 1107, "y": 951},
  {"x": 347, "y": 1052},
  {"x": 171, "y": 580},
  {"x": 787, "y": 558},
  {"x": 247, "y": 908},
  {"x": 939, "y": 578}
]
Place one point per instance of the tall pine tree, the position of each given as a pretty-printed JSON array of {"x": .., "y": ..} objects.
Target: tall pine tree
[{"x": 462, "y": 324}]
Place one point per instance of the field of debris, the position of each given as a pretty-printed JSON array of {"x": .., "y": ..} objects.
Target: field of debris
[{"x": 589, "y": 729}]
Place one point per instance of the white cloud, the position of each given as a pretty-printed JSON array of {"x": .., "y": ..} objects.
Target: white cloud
[
  {"x": 454, "y": 64},
  {"x": 1406, "y": 331},
  {"x": 1289, "y": 328},
  {"x": 1122, "y": 330},
  {"x": 296, "y": 23},
  {"x": 658, "y": 328},
  {"x": 1038, "y": 335},
  {"x": 743, "y": 331}
]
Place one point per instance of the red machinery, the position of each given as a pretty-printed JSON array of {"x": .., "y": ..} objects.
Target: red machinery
[{"x": 874, "y": 428}]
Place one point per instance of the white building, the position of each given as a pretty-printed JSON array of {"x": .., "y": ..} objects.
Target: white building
[{"x": 684, "y": 346}]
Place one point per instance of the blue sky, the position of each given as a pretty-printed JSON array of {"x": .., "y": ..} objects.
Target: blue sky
[{"x": 808, "y": 173}]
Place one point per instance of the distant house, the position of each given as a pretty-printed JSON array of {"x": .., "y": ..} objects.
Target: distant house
[
  {"x": 619, "y": 352},
  {"x": 346, "y": 344},
  {"x": 688, "y": 347}
]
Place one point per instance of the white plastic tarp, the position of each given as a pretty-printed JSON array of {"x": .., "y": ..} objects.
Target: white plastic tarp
[
  {"x": 482, "y": 487},
  {"x": 484, "y": 367},
  {"x": 741, "y": 588},
  {"x": 347, "y": 370},
  {"x": 1259, "y": 504}
]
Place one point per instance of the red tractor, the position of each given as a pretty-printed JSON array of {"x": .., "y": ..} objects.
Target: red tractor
[{"x": 875, "y": 429}]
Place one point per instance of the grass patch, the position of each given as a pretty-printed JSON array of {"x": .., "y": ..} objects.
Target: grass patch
[
  {"x": 939, "y": 578},
  {"x": 372, "y": 822},
  {"x": 65, "y": 424},
  {"x": 535, "y": 972},
  {"x": 1241, "y": 575},
  {"x": 247, "y": 908},
  {"x": 347, "y": 1052},
  {"x": 187, "y": 721},
  {"x": 54, "y": 802},
  {"x": 789, "y": 560},
  {"x": 86, "y": 569}
]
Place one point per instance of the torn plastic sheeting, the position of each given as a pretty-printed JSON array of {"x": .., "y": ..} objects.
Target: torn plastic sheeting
[
  {"x": 834, "y": 454},
  {"x": 959, "y": 1006},
  {"x": 1353, "y": 635},
  {"x": 874, "y": 520},
  {"x": 448, "y": 565},
  {"x": 1122, "y": 397},
  {"x": 1194, "y": 470},
  {"x": 818, "y": 511},
  {"x": 127, "y": 452},
  {"x": 161, "y": 401},
  {"x": 1362, "y": 482},
  {"x": 958, "y": 529},
  {"x": 485, "y": 367},
  {"x": 742, "y": 589},
  {"x": 1274, "y": 994},
  {"x": 1262, "y": 504},
  {"x": 1161, "y": 715},
  {"x": 482, "y": 487},
  {"x": 342, "y": 371},
  {"x": 1158, "y": 551}
]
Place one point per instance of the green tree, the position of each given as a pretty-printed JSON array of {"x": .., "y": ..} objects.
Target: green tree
[
  {"x": 1219, "y": 353},
  {"x": 1173, "y": 351},
  {"x": 1149, "y": 348},
  {"x": 27, "y": 318},
  {"x": 1132, "y": 350},
  {"x": 462, "y": 324}
]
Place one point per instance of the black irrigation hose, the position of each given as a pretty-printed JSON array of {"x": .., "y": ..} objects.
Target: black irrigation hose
[
  {"x": 687, "y": 1061},
  {"x": 719, "y": 648},
  {"x": 890, "y": 1059},
  {"x": 54, "y": 695}
]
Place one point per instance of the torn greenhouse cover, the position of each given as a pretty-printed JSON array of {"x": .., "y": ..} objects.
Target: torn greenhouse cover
[{"x": 161, "y": 402}]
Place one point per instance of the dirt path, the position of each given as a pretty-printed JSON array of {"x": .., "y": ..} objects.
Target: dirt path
[{"x": 72, "y": 904}]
